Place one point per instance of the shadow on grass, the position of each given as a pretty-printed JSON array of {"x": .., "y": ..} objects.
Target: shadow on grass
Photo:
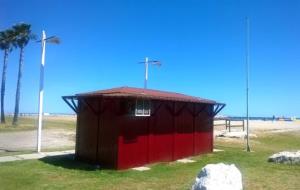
[{"x": 68, "y": 162}]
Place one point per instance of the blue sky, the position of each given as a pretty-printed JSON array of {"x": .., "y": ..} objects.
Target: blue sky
[{"x": 201, "y": 45}]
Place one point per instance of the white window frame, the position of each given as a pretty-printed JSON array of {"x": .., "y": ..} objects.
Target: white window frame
[{"x": 143, "y": 108}]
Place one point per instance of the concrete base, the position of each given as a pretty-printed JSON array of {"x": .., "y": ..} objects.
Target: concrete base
[
  {"x": 217, "y": 150},
  {"x": 142, "y": 168},
  {"x": 185, "y": 160}
]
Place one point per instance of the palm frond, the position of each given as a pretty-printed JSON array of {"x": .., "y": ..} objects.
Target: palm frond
[
  {"x": 7, "y": 38},
  {"x": 23, "y": 33}
]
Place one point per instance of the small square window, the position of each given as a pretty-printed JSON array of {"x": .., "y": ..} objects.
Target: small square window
[{"x": 142, "y": 108}]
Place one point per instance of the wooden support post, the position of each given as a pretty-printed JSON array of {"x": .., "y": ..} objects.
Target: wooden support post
[
  {"x": 229, "y": 126},
  {"x": 77, "y": 130},
  {"x": 194, "y": 128},
  {"x": 174, "y": 130},
  {"x": 243, "y": 125},
  {"x": 72, "y": 105},
  {"x": 99, "y": 101}
]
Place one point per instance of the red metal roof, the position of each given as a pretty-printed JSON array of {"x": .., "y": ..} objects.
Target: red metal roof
[{"x": 145, "y": 93}]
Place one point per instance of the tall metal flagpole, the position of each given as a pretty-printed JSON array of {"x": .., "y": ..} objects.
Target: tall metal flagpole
[
  {"x": 247, "y": 76},
  {"x": 41, "y": 93}
]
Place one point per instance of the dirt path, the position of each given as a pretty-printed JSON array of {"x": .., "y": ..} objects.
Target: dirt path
[
  {"x": 26, "y": 140},
  {"x": 257, "y": 126}
]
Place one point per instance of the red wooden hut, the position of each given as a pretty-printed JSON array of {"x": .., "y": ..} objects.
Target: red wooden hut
[{"x": 126, "y": 127}]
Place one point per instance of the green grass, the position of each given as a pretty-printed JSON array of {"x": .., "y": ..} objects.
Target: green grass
[
  {"x": 30, "y": 123},
  {"x": 65, "y": 173}
]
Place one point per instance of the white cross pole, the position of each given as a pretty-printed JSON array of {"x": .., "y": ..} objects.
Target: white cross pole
[
  {"x": 147, "y": 62},
  {"x": 146, "y": 72},
  {"x": 41, "y": 93}
]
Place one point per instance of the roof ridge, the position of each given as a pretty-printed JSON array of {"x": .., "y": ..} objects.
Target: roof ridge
[{"x": 125, "y": 91}]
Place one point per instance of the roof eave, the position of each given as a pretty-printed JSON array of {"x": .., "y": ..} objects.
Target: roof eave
[{"x": 206, "y": 101}]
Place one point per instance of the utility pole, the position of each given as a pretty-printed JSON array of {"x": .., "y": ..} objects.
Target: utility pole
[
  {"x": 247, "y": 77},
  {"x": 147, "y": 62},
  {"x": 55, "y": 40}
]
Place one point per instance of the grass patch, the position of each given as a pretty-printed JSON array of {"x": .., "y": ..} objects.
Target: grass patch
[
  {"x": 66, "y": 173},
  {"x": 30, "y": 123}
]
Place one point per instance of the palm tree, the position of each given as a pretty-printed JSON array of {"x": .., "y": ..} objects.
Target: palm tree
[
  {"x": 23, "y": 36},
  {"x": 6, "y": 44}
]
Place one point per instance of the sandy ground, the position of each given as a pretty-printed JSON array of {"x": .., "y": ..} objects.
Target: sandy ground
[
  {"x": 55, "y": 117},
  {"x": 26, "y": 140},
  {"x": 263, "y": 126},
  {"x": 59, "y": 138},
  {"x": 276, "y": 126},
  {"x": 256, "y": 128},
  {"x": 51, "y": 138},
  {"x": 61, "y": 117}
]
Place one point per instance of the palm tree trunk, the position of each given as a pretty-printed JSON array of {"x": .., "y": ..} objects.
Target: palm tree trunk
[
  {"x": 16, "y": 114},
  {"x": 3, "y": 84}
]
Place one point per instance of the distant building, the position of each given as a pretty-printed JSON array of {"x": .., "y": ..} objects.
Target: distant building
[{"x": 127, "y": 127}]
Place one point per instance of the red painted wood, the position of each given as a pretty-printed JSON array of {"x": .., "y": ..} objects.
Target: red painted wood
[
  {"x": 184, "y": 137},
  {"x": 108, "y": 134},
  {"x": 203, "y": 133},
  {"x": 133, "y": 142},
  {"x": 126, "y": 141},
  {"x": 160, "y": 136},
  {"x": 86, "y": 145}
]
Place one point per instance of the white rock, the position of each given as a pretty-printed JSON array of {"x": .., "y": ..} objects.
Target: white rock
[
  {"x": 219, "y": 177},
  {"x": 286, "y": 157}
]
